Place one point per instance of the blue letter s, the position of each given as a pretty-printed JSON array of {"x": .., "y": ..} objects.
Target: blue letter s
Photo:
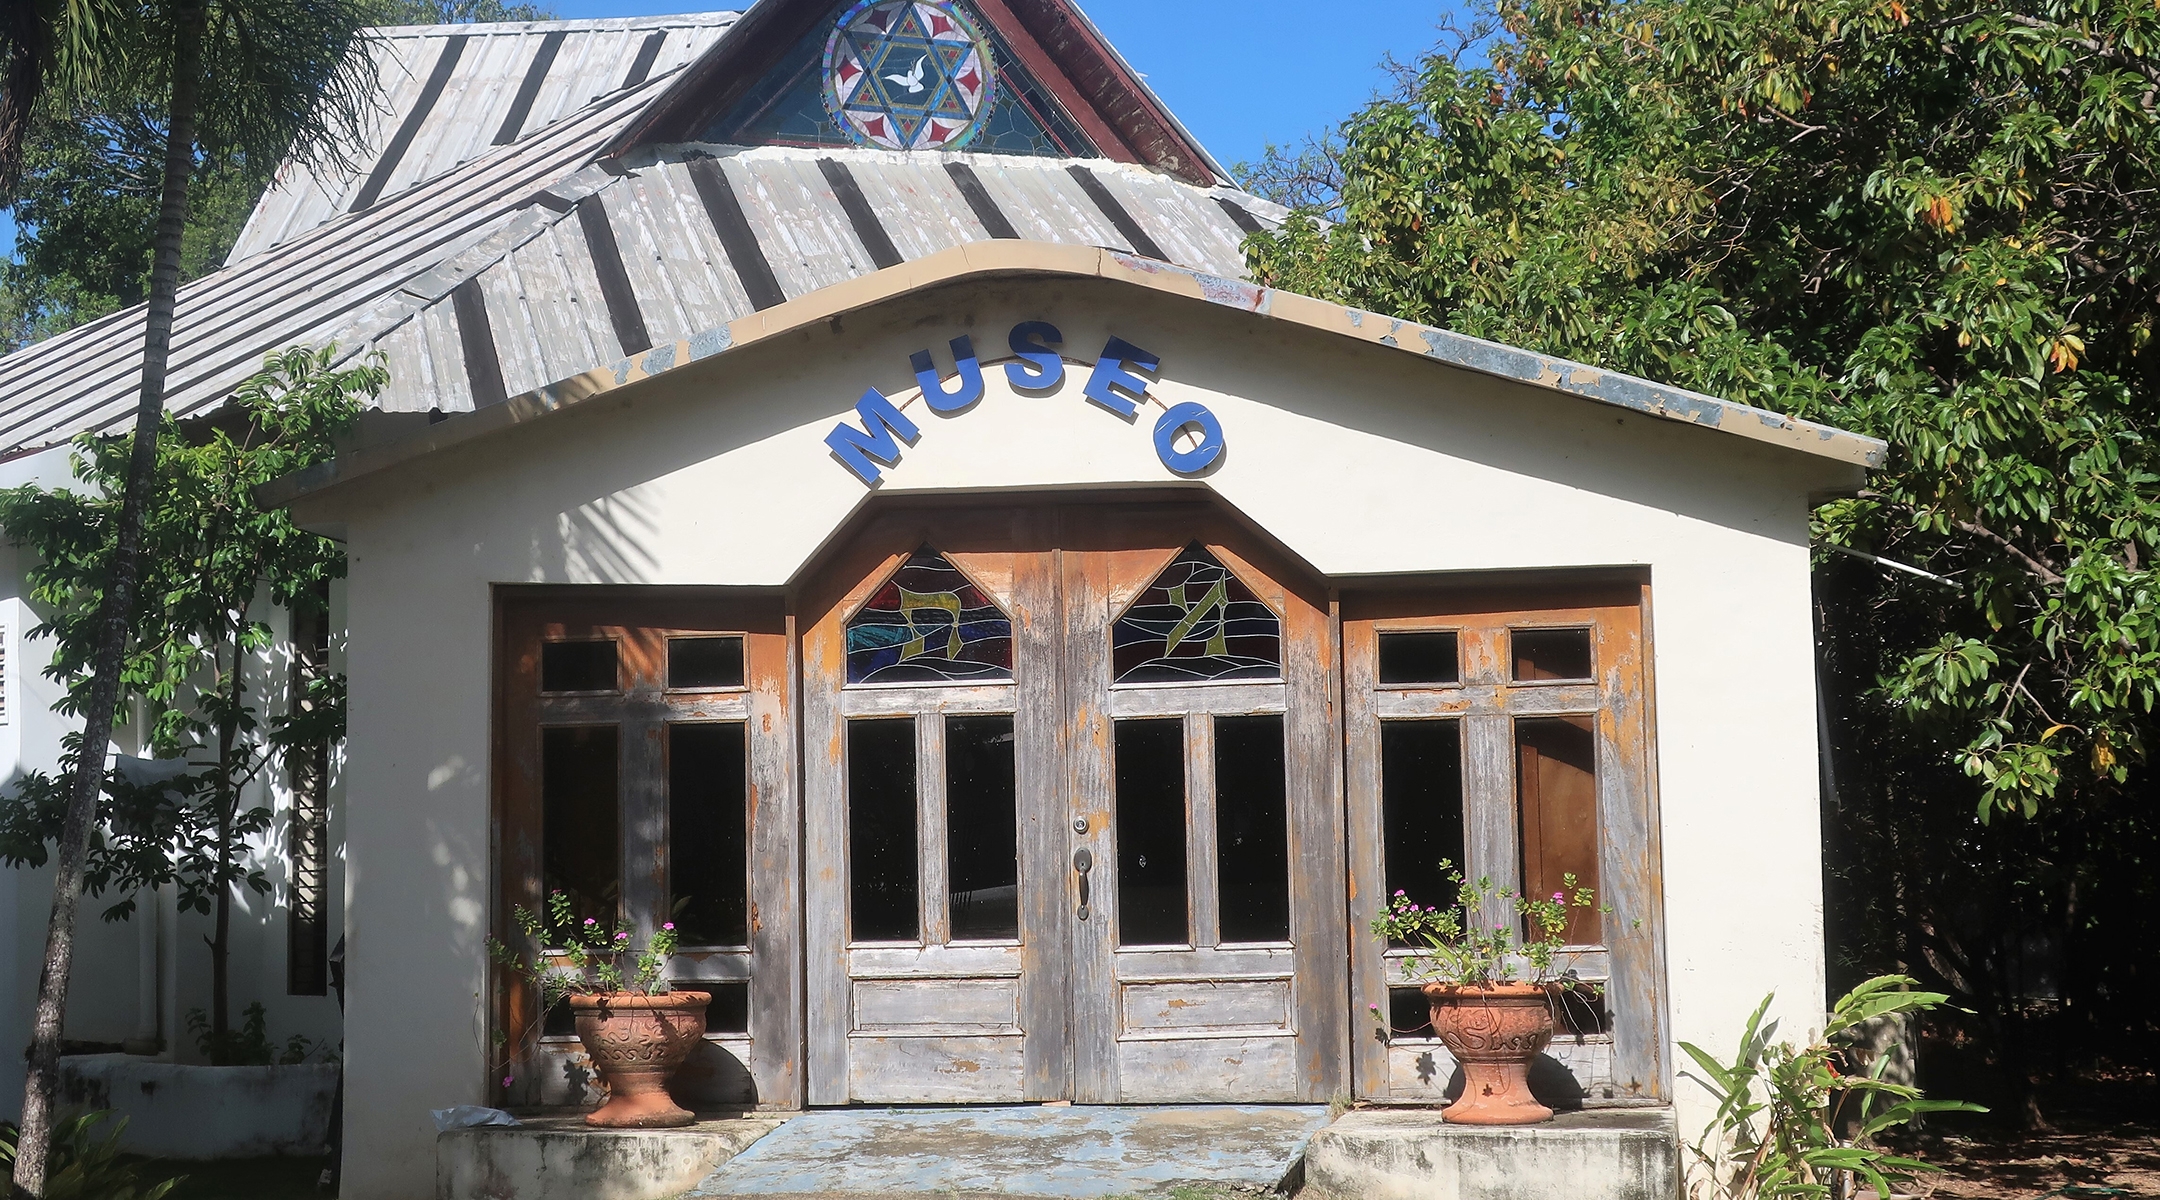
[{"x": 1031, "y": 340}]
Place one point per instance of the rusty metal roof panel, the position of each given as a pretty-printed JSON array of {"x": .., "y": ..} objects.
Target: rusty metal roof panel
[
  {"x": 800, "y": 225},
  {"x": 452, "y": 93},
  {"x": 553, "y": 318}
]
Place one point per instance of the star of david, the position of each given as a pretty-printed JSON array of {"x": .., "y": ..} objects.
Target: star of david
[{"x": 910, "y": 75}]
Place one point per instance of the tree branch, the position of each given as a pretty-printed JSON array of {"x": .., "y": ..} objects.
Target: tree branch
[
  {"x": 2033, "y": 566},
  {"x": 2089, "y": 45}
]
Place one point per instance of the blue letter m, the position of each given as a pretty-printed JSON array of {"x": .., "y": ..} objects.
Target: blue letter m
[{"x": 881, "y": 424}]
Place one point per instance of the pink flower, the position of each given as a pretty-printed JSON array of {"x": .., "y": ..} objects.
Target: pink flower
[
  {"x": 622, "y": 937},
  {"x": 1400, "y": 892},
  {"x": 591, "y": 921},
  {"x": 1556, "y": 895},
  {"x": 670, "y": 927},
  {"x": 508, "y": 1080}
]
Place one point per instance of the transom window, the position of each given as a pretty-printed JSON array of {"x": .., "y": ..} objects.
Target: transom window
[
  {"x": 1196, "y": 623},
  {"x": 929, "y": 624}
]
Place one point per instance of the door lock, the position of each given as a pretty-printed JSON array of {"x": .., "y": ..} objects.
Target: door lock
[
  {"x": 1083, "y": 862},
  {"x": 1080, "y": 825}
]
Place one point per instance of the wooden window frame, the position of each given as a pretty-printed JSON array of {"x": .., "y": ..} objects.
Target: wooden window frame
[
  {"x": 642, "y": 621},
  {"x": 1487, "y": 702}
]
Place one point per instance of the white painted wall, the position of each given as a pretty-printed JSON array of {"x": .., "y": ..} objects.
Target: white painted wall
[
  {"x": 140, "y": 976},
  {"x": 1362, "y": 460}
]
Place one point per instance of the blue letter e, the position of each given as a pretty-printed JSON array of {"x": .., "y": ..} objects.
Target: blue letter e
[
  {"x": 1110, "y": 373},
  {"x": 881, "y": 424}
]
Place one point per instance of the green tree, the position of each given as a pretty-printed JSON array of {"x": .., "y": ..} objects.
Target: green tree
[
  {"x": 456, "y": 12},
  {"x": 1914, "y": 218},
  {"x": 251, "y": 78},
  {"x": 85, "y": 206},
  {"x": 211, "y": 556},
  {"x": 86, "y": 210},
  {"x": 1924, "y": 220}
]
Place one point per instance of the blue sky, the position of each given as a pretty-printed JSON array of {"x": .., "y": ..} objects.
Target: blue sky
[{"x": 1239, "y": 73}]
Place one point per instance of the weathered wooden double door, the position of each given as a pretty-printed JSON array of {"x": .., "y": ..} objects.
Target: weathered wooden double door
[{"x": 1072, "y": 811}]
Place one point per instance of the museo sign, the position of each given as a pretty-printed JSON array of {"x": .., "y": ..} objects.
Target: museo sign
[{"x": 1112, "y": 385}]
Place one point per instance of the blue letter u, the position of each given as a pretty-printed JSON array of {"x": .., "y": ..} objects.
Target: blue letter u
[{"x": 933, "y": 388}]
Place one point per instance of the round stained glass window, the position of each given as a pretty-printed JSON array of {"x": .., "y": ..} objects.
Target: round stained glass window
[{"x": 909, "y": 75}]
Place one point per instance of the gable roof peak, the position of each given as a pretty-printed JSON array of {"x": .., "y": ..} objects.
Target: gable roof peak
[{"x": 1026, "y": 77}]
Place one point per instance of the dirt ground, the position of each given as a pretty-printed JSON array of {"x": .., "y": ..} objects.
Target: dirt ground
[{"x": 2105, "y": 1142}]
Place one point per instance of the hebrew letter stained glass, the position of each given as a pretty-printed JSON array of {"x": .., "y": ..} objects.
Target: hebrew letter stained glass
[
  {"x": 929, "y": 624},
  {"x": 1197, "y": 623}
]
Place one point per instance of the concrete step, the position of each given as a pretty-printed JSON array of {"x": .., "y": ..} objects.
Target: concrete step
[
  {"x": 562, "y": 1158},
  {"x": 1403, "y": 1154},
  {"x": 1207, "y": 1152}
]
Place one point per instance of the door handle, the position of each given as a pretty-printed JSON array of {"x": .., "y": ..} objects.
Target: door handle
[{"x": 1083, "y": 862}]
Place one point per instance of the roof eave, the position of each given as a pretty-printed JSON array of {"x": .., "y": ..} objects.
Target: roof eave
[{"x": 982, "y": 260}]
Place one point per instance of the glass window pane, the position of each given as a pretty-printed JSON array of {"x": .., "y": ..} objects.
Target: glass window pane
[
  {"x": 578, "y": 826},
  {"x": 929, "y": 624},
  {"x": 1419, "y": 658},
  {"x": 708, "y": 834},
  {"x": 705, "y": 662},
  {"x": 729, "y": 1011},
  {"x": 1557, "y": 786},
  {"x": 578, "y": 667},
  {"x": 881, "y": 831},
  {"x": 981, "y": 837},
  {"x": 1151, "y": 833},
  {"x": 1252, "y": 833},
  {"x": 1582, "y": 1011},
  {"x": 1421, "y": 807},
  {"x": 1409, "y": 1013},
  {"x": 1196, "y": 623},
  {"x": 1551, "y": 654}
]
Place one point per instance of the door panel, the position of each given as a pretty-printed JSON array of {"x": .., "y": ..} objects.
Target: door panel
[
  {"x": 1228, "y": 984},
  {"x": 1217, "y": 976}
]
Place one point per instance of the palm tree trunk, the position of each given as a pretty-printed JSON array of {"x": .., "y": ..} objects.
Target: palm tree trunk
[
  {"x": 28, "y": 38},
  {"x": 228, "y": 802},
  {"x": 114, "y": 612}
]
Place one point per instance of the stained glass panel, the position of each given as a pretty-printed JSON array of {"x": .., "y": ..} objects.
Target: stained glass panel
[
  {"x": 790, "y": 107},
  {"x": 929, "y": 624},
  {"x": 1197, "y": 623}
]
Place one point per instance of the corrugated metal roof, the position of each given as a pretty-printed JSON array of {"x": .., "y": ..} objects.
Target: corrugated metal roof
[
  {"x": 312, "y": 289},
  {"x": 550, "y": 316},
  {"x": 501, "y": 82},
  {"x": 535, "y": 269},
  {"x": 486, "y": 270}
]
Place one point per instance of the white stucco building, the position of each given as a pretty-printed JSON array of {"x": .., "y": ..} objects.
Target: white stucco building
[{"x": 895, "y": 543}]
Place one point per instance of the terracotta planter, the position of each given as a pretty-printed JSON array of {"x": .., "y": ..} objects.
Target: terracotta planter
[
  {"x": 636, "y": 1042},
  {"x": 1494, "y": 1032}
]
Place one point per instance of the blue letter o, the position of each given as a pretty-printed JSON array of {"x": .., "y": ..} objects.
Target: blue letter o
[{"x": 1175, "y": 421}]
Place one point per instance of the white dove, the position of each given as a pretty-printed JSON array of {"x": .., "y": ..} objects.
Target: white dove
[{"x": 912, "y": 81}]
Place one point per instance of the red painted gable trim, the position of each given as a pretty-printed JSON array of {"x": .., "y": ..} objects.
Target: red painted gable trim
[{"x": 1099, "y": 82}]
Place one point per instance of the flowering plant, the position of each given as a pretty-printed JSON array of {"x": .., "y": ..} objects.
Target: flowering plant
[
  {"x": 585, "y": 957},
  {"x": 1453, "y": 945}
]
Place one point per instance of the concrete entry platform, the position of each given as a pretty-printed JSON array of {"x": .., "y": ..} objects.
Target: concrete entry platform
[
  {"x": 1051, "y": 1153},
  {"x": 1400, "y": 1154},
  {"x": 563, "y": 1158}
]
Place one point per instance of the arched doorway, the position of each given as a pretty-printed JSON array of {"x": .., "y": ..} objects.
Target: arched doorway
[{"x": 1073, "y": 811}]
